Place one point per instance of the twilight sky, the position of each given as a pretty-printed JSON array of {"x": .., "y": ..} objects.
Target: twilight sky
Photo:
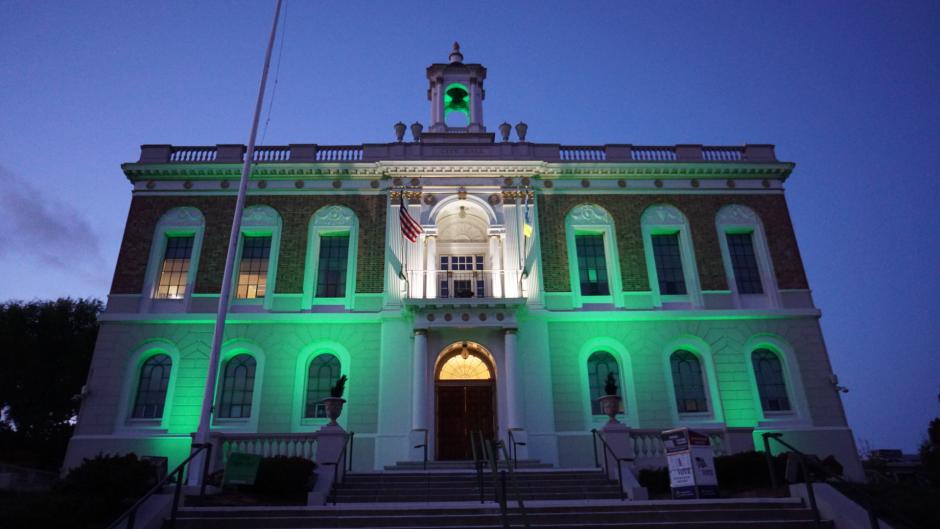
[{"x": 847, "y": 90}]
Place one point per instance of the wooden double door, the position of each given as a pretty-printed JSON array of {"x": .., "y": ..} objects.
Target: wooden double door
[{"x": 463, "y": 407}]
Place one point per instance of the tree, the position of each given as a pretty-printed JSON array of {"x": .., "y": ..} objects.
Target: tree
[
  {"x": 930, "y": 452},
  {"x": 45, "y": 352}
]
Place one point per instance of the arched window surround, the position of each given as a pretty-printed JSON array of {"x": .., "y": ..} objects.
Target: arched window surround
[
  {"x": 666, "y": 219},
  {"x": 799, "y": 411},
  {"x": 738, "y": 219},
  {"x": 136, "y": 359},
  {"x": 305, "y": 357},
  {"x": 335, "y": 219},
  {"x": 230, "y": 350},
  {"x": 701, "y": 349},
  {"x": 591, "y": 219},
  {"x": 176, "y": 222},
  {"x": 631, "y": 412},
  {"x": 258, "y": 220}
]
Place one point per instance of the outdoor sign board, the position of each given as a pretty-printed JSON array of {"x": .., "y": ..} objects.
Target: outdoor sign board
[
  {"x": 241, "y": 469},
  {"x": 691, "y": 464}
]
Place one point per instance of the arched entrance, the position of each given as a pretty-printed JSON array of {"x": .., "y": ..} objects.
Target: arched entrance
[{"x": 465, "y": 398}]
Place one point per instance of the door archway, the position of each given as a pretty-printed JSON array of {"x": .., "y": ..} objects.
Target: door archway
[{"x": 465, "y": 398}]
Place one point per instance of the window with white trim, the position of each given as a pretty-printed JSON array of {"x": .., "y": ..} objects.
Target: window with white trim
[
  {"x": 688, "y": 382},
  {"x": 330, "y": 273},
  {"x": 152, "y": 385},
  {"x": 322, "y": 374},
  {"x": 593, "y": 263},
  {"x": 670, "y": 257},
  {"x": 253, "y": 267},
  {"x": 599, "y": 365},
  {"x": 770, "y": 379},
  {"x": 237, "y": 391},
  {"x": 746, "y": 257},
  {"x": 256, "y": 269},
  {"x": 174, "y": 257}
]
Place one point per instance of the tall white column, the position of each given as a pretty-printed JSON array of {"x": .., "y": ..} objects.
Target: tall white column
[
  {"x": 513, "y": 382},
  {"x": 419, "y": 397},
  {"x": 430, "y": 275},
  {"x": 495, "y": 265},
  {"x": 476, "y": 107}
]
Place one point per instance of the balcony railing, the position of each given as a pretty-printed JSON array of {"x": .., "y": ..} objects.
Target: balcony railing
[
  {"x": 464, "y": 284},
  {"x": 313, "y": 153}
]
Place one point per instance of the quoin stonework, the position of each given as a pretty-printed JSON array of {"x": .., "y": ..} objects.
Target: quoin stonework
[{"x": 541, "y": 268}]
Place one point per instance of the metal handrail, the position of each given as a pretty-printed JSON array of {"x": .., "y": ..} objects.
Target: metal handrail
[
  {"x": 808, "y": 480},
  {"x": 478, "y": 459},
  {"x": 512, "y": 479},
  {"x": 514, "y": 447},
  {"x": 620, "y": 460},
  {"x": 339, "y": 468},
  {"x": 130, "y": 515},
  {"x": 424, "y": 445}
]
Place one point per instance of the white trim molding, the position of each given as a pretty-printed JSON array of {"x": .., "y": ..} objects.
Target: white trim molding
[
  {"x": 182, "y": 221},
  {"x": 664, "y": 219},
  {"x": 299, "y": 401},
  {"x": 591, "y": 219},
  {"x": 738, "y": 219},
  {"x": 334, "y": 219},
  {"x": 631, "y": 410},
  {"x": 701, "y": 349},
  {"x": 259, "y": 221},
  {"x": 150, "y": 348}
]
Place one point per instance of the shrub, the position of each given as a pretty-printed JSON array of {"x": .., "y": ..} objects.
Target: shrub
[
  {"x": 284, "y": 476},
  {"x": 337, "y": 390},
  {"x": 113, "y": 477},
  {"x": 656, "y": 480},
  {"x": 747, "y": 470}
]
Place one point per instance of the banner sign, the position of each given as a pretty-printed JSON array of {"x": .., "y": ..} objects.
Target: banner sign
[{"x": 691, "y": 464}]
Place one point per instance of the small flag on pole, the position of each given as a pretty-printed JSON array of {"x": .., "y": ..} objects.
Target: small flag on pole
[
  {"x": 526, "y": 226},
  {"x": 409, "y": 226}
]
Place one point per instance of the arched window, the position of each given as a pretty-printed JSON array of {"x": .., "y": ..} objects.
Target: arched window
[
  {"x": 599, "y": 365},
  {"x": 238, "y": 382},
  {"x": 593, "y": 262},
  {"x": 321, "y": 376},
  {"x": 332, "y": 246},
  {"x": 151, "y": 387},
  {"x": 768, "y": 372},
  {"x": 174, "y": 256},
  {"x": 688, "y": 382}
]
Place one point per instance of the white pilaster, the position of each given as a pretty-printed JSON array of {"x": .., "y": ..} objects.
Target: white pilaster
[
  {"x": 476, "y": 107},
  {"x": 514, "y": 413},
  {"x": 430, "y": 276},
  {"x": 419, "y": 396},
  {"x": 495, "y": 266}
]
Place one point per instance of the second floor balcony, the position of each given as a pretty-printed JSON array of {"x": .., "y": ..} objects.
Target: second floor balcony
[{"x": 469, "y": 286}]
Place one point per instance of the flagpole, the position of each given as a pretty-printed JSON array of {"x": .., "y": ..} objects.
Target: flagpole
[{"x": 205, "y": 416}]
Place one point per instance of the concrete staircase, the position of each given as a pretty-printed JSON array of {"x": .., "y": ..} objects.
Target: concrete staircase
[
  {"x": 434, "y": 486},
  {"x": 449, "y": 497},
  {"x": 689, "y": 514},
  {"x": 418, "y": 466}
]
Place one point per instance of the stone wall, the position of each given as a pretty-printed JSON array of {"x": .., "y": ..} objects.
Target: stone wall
[
  {"x": 700, "y": 210},
  {"x": 295, "y": 212}
]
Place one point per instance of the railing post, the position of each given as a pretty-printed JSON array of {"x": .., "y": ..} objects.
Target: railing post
[
  {"x": 770, "y": 460},
  {"x": 205, "y": 468},
  {"x": 176, "y": 496},
  {"x": 810, "y": 493},
  {"x": 131, "y": 518},
  {"x": 594, "y": 444},
  {"x": 620, "y": 478}
]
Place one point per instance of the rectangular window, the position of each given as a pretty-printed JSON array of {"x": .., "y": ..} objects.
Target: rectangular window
[
  {"x": 331, "y": 272},
  {"x": 175, "y": 270},
  {"x": 668, "y": 264},
  {"x": 744, "y": 263},
  {"x": 462, "y": 276},
  {"x": 253, "y": 269},
  {"x": 592, "y": 265}
]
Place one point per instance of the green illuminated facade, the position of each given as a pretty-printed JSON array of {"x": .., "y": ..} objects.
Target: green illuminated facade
[{"x": 673, "y": 267}]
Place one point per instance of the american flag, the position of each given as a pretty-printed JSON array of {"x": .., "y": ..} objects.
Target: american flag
[{"x": 409, "y": 226}]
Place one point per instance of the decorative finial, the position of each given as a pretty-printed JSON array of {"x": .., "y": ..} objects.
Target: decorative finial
[{"x": 455, "y": 55}]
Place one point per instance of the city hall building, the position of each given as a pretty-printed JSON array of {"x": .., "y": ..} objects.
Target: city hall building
[{"x": 535, "y": 270}]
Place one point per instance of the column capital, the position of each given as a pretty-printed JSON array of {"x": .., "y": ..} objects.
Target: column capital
[
  {"x": 421, "y": 332},
  {"x": 511, "y": 330}
]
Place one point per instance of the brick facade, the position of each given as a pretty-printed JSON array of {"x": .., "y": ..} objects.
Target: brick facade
[
  {"x": 295, "y": 212},
  {"x": 700, "y": 210}
]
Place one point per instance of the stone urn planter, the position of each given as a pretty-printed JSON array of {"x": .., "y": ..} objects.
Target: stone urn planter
[
  {"x": 610, "y": 405},
  {"x": 333, "y": 407}
]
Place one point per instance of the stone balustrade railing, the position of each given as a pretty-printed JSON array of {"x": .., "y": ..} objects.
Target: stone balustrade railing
[
  {"x": 263, "y": 444},
  {"x": 649, "y": 450},
  {"x": 313, "y": 153}
]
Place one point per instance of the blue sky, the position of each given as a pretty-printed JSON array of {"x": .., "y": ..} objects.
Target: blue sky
[{"x": 847, "y": 90}]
